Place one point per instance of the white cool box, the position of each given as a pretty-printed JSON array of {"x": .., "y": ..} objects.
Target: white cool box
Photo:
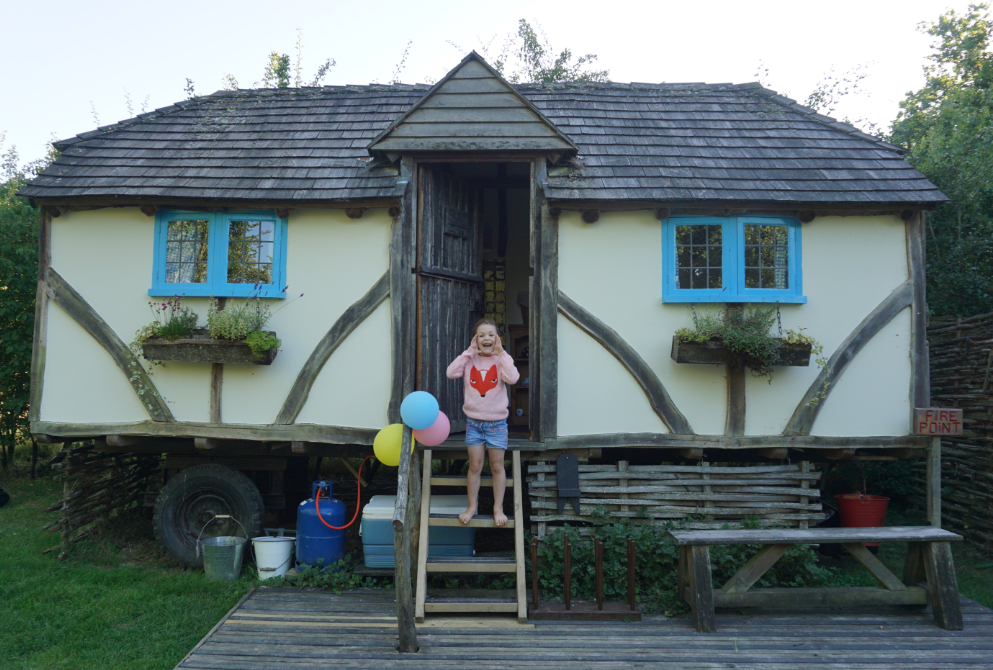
[{"x": 376, "y": 530}]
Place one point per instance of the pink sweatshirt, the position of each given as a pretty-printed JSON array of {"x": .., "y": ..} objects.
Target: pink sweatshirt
[{"x": 485, "y": 393}]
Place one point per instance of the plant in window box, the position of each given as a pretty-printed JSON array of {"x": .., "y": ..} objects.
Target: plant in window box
[
  {"x": 234, "y": 334},
  {"x": 742, "y": 336}
]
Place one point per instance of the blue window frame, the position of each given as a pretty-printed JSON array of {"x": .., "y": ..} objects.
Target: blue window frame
[
  {"x": 731, "y": 259},
  {"x": 224, "y": 254}
]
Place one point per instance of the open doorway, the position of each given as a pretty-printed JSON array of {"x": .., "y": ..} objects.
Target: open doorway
[{"x": 474, "y": 223}]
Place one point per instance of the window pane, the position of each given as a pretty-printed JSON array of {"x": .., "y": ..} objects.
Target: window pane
[
  {"x": 250, "y": 252},
  {"x": 698, "y": 256},
  {"x": 186, "y": 252},
  {"x": 766, "y": 256}
]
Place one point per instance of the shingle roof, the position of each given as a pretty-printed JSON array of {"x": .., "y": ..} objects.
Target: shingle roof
[{"x": 653, "y": 142}]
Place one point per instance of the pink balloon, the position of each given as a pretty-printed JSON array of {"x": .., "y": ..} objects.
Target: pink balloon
[{"x": 436, "y": 433}]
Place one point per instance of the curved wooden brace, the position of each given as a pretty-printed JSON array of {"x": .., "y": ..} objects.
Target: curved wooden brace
[
  {"x": 346, "y": 323},
  {"x": 649, "y": 382},
  {"x": 806, "y": 412},
  {"x": 66, "y": 297}
]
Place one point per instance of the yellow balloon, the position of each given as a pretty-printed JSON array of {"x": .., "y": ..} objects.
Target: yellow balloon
[{"x": 387, "y": 444}]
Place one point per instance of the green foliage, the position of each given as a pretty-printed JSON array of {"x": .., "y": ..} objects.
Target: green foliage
[
  {"x": 277, "y": 71},
  {"x": 237, "y": 322},
  {"x": 337, "y": 577},
  {"x": 657, "y": 558},
  {"x": 948, "y": 128},
  {"x": 535, "y": 60},
  {"x": 893, "y": 479},
  {"x": 744, "y": 332},
  {"x": 173, "y": 319},
  {"x": 18, "y": 286},
  {"x": 261, "y": 342}
]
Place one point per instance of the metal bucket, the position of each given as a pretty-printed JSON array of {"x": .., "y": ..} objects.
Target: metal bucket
[{"x": 222, "y": 555}]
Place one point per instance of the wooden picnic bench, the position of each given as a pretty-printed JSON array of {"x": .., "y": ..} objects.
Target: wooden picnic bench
[{"x": 929, "y": 556}]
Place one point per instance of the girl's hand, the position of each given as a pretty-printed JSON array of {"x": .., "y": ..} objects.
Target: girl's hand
[
  {"x": 497, "y": 346},
  {"x": 472, "y": 345}
]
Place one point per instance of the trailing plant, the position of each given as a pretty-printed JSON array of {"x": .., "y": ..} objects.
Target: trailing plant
[{"x": 338, "y": 576}]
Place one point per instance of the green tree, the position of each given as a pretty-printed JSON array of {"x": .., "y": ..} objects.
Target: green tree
[
  {"x": 18, "y": 284},
  {"x": 947, "y": 126},
  {"x": 528, "y": 57}
]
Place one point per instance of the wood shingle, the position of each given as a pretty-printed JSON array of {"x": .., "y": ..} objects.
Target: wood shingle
[{"x": 645, "y": 142}]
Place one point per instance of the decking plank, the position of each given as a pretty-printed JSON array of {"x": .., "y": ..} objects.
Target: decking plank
[{"x": 300, "y": 630}]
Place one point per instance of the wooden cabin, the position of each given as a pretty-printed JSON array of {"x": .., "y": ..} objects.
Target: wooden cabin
[{"x": 591, "y": 220}]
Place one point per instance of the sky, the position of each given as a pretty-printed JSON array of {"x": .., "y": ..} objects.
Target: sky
[{"x": 71, "y": 63}]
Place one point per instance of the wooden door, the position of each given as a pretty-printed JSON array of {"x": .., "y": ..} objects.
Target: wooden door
[{"x": 449, "y": 281}]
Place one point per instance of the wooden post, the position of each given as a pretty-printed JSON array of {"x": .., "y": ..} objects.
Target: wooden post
[
  {"x": 542, "y": 526},
  {"x": 567, "y": 577},
  {"x": 942, "y": 587},
  {"x": 934, "y": 483},
  {"x": 622, "y": 482},
  {"x": 534, "y": 572},
  {"x": 402, "y": 548},
  {"x": 631, "y": 574},
  {"x": 701, "y": 589}
]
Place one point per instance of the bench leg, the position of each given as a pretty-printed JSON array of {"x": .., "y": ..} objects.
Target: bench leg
[
  {"x": 701, "y": 589},
  {"x": 942, "y": 587},
  {"x": 681, "y": 569},
  {"x": 913, "y": 567}
]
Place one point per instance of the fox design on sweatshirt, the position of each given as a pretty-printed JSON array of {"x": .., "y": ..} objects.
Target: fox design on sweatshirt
[{"x": 479, "y": 383}]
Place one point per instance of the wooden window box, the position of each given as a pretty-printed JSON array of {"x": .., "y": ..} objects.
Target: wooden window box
[
  {"x": 713, "y": 352},
  {"x": 201, "y": 348}
]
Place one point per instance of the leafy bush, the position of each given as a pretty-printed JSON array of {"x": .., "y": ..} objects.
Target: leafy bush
[
  {"x": 337, "y": 577},
  {"x": 236, "y": 322},
  {"x": 262, "y": 342},
  {"x": 657, "y": 559}
]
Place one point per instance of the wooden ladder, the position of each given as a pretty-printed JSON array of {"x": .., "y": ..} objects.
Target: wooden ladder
[{"x": 425, "y": 565}]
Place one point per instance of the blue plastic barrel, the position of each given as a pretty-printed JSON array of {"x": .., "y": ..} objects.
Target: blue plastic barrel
[{"x": 316, "y": 543}]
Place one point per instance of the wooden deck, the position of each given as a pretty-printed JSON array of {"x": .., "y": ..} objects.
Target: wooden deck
[{"x": 295, "y": 629}]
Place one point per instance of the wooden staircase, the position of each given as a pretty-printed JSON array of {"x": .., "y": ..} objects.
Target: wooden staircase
[{"x": 423, "y": 604}]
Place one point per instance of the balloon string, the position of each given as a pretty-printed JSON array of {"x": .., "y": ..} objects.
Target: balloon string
[{"x": 358, "y": 501}]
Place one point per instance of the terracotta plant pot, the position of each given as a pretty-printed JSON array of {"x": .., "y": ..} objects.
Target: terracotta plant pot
[{"x": 862, "y": 511}]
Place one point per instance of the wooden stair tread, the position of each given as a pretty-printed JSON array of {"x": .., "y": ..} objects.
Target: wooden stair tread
[
  {"x": 470, "y": 599},
  {"x": 460, "y": 480},
  {"x": 478, "y": 521},
  {"x": 474, "y": 564}
]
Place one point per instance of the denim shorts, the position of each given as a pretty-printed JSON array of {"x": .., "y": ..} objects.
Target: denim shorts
[{"x": 492, "y": 433}]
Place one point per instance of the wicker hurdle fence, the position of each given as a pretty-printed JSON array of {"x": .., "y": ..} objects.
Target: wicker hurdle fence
[
  {"x": 961, "y": 352},
  {"x": 703, "y": 496}
]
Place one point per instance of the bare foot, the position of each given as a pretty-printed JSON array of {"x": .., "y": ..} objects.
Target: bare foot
[
  {"x": 467, "y": 515},
  {"x": 499, "y": 518}
]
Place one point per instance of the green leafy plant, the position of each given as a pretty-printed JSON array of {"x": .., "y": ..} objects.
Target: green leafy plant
[
  {"x": 657, "y": 559},
  {"x": 237, "y": 322},
  {"x": 338, "y": 576},
  {"x": 261, "y": 342},
  {"x": 173, "y": 319},
  {"x": 746, "y": 337}
]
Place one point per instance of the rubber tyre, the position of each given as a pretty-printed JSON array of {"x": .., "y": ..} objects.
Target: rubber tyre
[{"x": 191, "y": 498}]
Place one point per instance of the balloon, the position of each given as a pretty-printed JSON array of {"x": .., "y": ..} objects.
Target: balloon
[
  {"x": 388, "y": 443},
  {"x": 419, "y": 410},
  {"x": 436, "y": 433}
]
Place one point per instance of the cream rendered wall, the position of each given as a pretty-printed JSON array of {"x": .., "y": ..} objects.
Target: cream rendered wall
[
  {"x": 850, "y": 264},
  {"x": 333, "y": 261},
  {"x": 106, "y": 255}
]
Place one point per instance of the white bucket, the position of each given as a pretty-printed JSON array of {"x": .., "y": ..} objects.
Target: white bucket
[{"x": 272, "y": 555}]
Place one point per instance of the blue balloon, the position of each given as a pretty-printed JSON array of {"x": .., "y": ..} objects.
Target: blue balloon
[{"x": 419, "y": 410}]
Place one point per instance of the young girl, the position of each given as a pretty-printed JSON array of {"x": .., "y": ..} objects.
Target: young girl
[{"x": 485, "y": 367}]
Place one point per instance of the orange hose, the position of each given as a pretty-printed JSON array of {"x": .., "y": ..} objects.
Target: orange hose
[{"x": 358, "y": 501}]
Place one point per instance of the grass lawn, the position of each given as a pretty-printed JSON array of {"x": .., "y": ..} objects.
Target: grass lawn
[{"x": 115, "y": 603}]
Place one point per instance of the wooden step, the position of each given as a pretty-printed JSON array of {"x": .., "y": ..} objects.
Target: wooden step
[
  {"x": 456, "y": 604},
  {"x": 459, "y": 480},
  {"x": 475, "y": 564},
  {"x": 478, "y": 521}
]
